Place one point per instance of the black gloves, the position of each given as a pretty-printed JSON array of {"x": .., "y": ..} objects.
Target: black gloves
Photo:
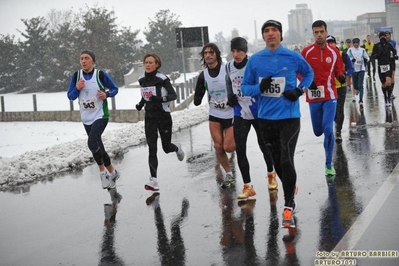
[
  {"x": 265, "y": 84},
  {"x": 396, "y": 57},
  {"x": 139, "y": 106},
  {"x": 353, "y": 60},
  {"x": 156, "y": 99},
  {"x": 313, "y": 86},
  {"x": 232, "y": 100},
  {"x": 293, "y": 95},
  {"x": 342, "y": 79}
]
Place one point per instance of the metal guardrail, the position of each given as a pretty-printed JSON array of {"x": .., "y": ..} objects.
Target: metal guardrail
[{"x": 119, "y": 116}]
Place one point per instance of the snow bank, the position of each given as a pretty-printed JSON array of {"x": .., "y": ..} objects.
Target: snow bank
[{"x": 74, "y": 155}]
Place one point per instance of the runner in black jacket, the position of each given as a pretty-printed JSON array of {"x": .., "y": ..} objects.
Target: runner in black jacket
[
  {"x": 157, "y": 92},
  {"x": 382, "y": 52}
]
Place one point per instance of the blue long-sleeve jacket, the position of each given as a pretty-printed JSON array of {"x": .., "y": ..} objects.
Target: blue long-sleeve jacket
[{"x": 283, "y": 65}]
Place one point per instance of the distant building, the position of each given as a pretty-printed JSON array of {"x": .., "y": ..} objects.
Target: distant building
[
  {"x": 392, "y": 11},
  {"x": 341, "y": 29},
  {"x": 300, "y": 23},
  {"x": 366, "y": 24}
]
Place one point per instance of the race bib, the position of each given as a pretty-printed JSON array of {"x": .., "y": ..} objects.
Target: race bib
[
  {"x": 358, "y": 62},
  {"x": 277, "y": 87},
  {"x": 384, "y": 68},
  {"x": 89, "y": 104},
  {"x": 237, "y": 89},
  {"x": 316, "y": 94},
  {"x": 147, "y": 92},
  {"x": 218, "y": 104}
]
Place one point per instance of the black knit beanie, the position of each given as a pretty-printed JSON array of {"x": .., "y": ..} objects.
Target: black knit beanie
[
  {"x": 273, "y": 23},
  {"x": 89, "y": 53},
  {"x": 239, "y": 43}
]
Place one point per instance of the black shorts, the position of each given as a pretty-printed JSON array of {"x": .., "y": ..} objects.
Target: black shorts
[{"x": 225, "y": 123}]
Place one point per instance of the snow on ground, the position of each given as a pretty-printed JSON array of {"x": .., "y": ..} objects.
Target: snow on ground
[
  {"x": 31, "y": 151},
  {"x": 71, "y": 153}
]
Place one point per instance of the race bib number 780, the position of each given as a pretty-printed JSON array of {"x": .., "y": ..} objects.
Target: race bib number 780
[{"x": 316, "y": 94}]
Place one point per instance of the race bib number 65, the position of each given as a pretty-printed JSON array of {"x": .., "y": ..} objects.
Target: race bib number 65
[{"x": 277, "y": 87}]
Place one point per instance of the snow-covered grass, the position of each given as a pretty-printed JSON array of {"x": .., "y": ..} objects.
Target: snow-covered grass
[{"x": 31, "y": 151}]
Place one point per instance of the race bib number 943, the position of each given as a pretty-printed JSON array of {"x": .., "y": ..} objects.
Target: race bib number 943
[
  {"x": 89, "y": 104},
  {"x": 277, "y": 87}
]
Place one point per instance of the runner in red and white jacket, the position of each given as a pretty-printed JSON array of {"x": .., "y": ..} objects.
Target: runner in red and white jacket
[{"x": 322, "y": 95}]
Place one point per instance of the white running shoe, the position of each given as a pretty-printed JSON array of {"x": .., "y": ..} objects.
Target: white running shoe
[
  {"x": 179, "y": 152},
  {"x": 104, "y": 180},
  {"x": 152, "y": 185}
]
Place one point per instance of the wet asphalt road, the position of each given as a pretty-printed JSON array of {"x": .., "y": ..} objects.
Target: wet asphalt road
[{"x": 71, "y": 220}]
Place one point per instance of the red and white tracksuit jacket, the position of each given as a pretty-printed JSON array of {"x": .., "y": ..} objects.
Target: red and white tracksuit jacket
[{"x": 327, "y": 65}]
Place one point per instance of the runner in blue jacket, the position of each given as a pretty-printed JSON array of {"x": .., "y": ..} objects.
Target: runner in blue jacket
[{"x": 272, "y": 75}]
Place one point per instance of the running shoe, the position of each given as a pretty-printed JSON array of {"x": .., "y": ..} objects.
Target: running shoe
[
  {"x": 228, "y": 181},
  {"x": 247, "y": 191},
  {"x": 113, "y": 178},
  {"x": 288, "y": 218},
  {"x": 272, "y": 180},
  {"x": 152, "y": 185},
  {"x": 179, "y": 152},
  {"x": 104, "y": 180},
  {"x": 330, "y": 171},
  {"x": 338, "y": 137}
]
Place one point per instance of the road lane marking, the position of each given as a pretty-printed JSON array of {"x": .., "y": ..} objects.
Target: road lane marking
[{"x": 352, "y": 236}]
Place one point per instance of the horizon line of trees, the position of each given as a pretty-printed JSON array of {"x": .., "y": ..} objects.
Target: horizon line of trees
[{"x": 49, "y": 56}]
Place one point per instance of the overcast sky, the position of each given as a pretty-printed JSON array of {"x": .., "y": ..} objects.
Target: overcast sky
[{"x": 218, "y": 15}]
